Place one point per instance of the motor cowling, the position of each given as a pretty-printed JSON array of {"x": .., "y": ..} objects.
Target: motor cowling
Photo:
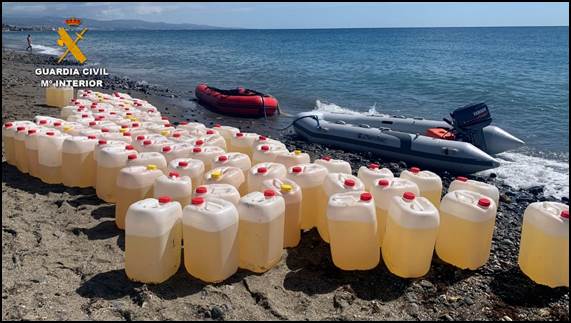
[{"x": 469, "y": 122}]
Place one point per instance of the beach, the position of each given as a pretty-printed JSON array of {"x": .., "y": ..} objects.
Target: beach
[{"x": 62, "y": 255}]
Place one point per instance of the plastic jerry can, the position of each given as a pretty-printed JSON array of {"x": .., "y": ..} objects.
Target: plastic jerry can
[
  {"x": 267, "y": 153},
  {"x": 178, "y": 187},
  {"x": 334, "y": 165},
  {"x": 193, "y": 168},
  {"x": 264, "y": 171},
  {"x": 143, "y": 159},
  {"x": 153, "y": 238},
  {"x": 49, "y": 156},
  {"x": 372, "y": 173},
  {"x": 293, "y": 158},
  {"x": 429, "y": 184},
  {"x": 9, "y": 130},
  {"x": 78, "y": 165},
  {"x": 463, "y": 183},
  {"x": 412, "y": 227},
  {"x": 261, "y": 234},
  {"x": 155, "y": 145},
  {"x": 58, "y": 96},
  {"x": 467, "y": 222},
  {"x": 242, "y": 142},
  {"x": 206, "y": 154},
  {"x": 310, "y": 179},
  {"x": 229, "y": 175},
  {"x": 134, "y": 183},
  {"x": 109, "y": 163},
  {"x": 102, "y": 143},
  {"x": 239, "y": 160},
  {"x": 222, "y": 191},
  {"x": 226, "y": 132},
  {"x": 20, "y": 148},
  {"x": 353, "y": 231},
  {"x": 544, "y": 246},
  {"x": 260, "y": 140},
  {"x": 31, "y": 144},
  {"x": 210, "y": 233},
  {"x": 178, "y": 150},
  {"x": 334, "y": 183},
  {"x": 192, "y": 126},
  {"x": 291, "y": 193},
  {"x": 212, "y": 139},
  {"x": 384, "y": 191}
]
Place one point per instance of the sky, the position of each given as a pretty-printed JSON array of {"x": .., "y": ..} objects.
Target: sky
[{"x": 284, "y": 15}]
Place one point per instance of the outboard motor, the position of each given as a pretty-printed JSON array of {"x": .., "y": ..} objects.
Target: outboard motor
[{"x": 469, "y": 122}]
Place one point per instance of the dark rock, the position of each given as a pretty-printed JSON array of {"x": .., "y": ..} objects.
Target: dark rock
[
  {"x": 216, "y": 313},
  {"x": 505, "y": 199},
  {"x": 343, "y": 298},
  {"x": 493, "y": 175},
  {"x": 447, "y": 317},
  {"x": 468, "y": 301},
  {"x": 536, "y": 190},
  {"x": 565, "y": 199}
]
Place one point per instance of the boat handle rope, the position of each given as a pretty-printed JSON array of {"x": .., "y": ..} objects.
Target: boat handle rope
[{"x": 297, "y": 119}]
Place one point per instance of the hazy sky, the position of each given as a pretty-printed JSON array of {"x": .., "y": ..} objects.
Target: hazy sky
[{"x": 310, "y": 15}]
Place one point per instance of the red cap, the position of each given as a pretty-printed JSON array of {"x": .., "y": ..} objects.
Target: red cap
[
  {"x": 168, "y": 125},
  {"x": 183, "y": 163},
  {"x": 41, "y": 122},
  {"x": 239, "y": 134},
  {"x": 164, "y": 118},
  {"x": 366, "y": 196},
  {"x": 129, "y": 147},
  {"x": 20, "y": 128},
  {"x": 99, "y": 117},
  {"x": 296, "y": 169},
  {"x": 415, "y": 170},
  {"x": 10, "y": 124},
  {"x": 147, "y": 142},
  {"x": 135, "y": 124},
  {"x": 484, "y": 202},
  {"x": 462, "y": 179},
  {"x": 262, "y": 170},
  {"x": 85, "y": 115},
  {"x": 222, "y": 158},
  {"x": 565, "y": 214},
  {"x": 176, "y": 135},
  {"x": 164, "y": 199},
  {"x": 92, "y": 137},
  {"x": 102, "y": 141},
  {"x": 166, "y": 149},
  {"x": 196, "y": 149},
  {"x": 262, "y": 138},
  {"x": 265, "y": 147},
  {"x": 201, "y": 189},
  {"x": 409, "y": 196},
  {"x": 199, "y": 142},
  {"x": 373, "y": 166},
  {"x": 57, "y": 123},
  {"x": 209, "y": 132},
  {"x": 326, "y": 158},
  {"x": 128, "y": 114},
  {"x": 384, "y": 182},
  {"x": 104, "y": 130},
  {"x": 31, "y": 131},
  {"x": 217, "y": 125},
  {"x": 140, "y": 137},
  {"x": 174, "y": 174},
  {"x": 197, "y": 200},
  {"x": 124, "y": 126},
  {"x": 126, "y": 134},
  {"x": 50, "y": 133},
  {"x": 269, "y": 193},
  {"x": 92, "y": 123},
  {"x": 101, "y": 110},
  {"x": 349, "y": 182},
  {"x": 132, "y": 156}
]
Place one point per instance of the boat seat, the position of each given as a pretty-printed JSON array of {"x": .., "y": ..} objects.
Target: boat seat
[{"x": 440, "y": 133}]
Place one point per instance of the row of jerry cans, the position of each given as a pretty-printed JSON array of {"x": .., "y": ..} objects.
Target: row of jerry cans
[{"x": 219, "y": 236}]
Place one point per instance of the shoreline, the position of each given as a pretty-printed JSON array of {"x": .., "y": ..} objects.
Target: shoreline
[{"x": 78, "y": 253}]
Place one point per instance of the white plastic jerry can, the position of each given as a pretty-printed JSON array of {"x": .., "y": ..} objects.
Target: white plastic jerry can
[
  {"x": 242, "y": 142},
  {"x": 412, "y": 226},
  {"x": 334, "y": 165},
  {"x": 544, "y": 246},
  {"x": 213, "y": 139},
  {"x": 222, "y": 191},
  {"x": 206, "y": 154},
  {"x": 467, "y": 221},
  {"x": 293, "y": 158},
  {"x": 175, "y": 151},
  {"x": 228, "y": 175},
  {"x": 239, "y": 160},
  {"x": 261, "y": 234},
  {"x": 9, "y": 130},
  {"x": 265, "y": 153},
  {"x": 384, "y": 191},
  {"x": 153, "y": 238},
  {"x": 259, "y": 140},
  {"x": 353, "y": 231},
  {"x": 31, "y": 144},
  {"x": 109, "y": 162},
  {"x": 334, "y": 183},
  {"x": 226, "y": 132},
  {"x": 193, "y": 168},
  {"x": 310, "y": 179},
  {"x": 264, "y": 171},
  {"x": 49, "y": 156},
  {"x": 463, "y": 183},
  {"x": 58, "y": 96},
  {"x": 134, "y": 183},
  {"x": 78, "y": 165},
  {"x": 148, "y": 158},
  {"x": 291, "y": 193},
  {"x": 178, "y": 187},
  {"x": 20, "y": 147},
  {"x": 210, "y": 233},
  {"x": 429, "y": 183},
  {"x": 372, "y": 173}
]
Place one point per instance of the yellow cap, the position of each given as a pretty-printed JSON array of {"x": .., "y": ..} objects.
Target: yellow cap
[
  {"x": 67, "y": 128},
  {"x": 165, "y": 133},
  {"x": 151, "y": 167},
  {"x": 122, "y": 130},
  {"x": 297, "y": 152},
  {"x": 216, "y": 174},
  {"x": 286, "y": 187}
]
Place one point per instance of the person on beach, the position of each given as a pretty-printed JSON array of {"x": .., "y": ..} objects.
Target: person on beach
[{"x": 29, "y": 43}]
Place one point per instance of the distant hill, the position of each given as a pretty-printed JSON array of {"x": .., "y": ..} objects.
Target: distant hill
[{"x": 50, "y": 23}]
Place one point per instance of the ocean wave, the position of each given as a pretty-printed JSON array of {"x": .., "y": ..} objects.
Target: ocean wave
[
  {"x": 522, "y": 171},
  {"x": 332, "y": 107},
  {"x": 54, "y": 51}
]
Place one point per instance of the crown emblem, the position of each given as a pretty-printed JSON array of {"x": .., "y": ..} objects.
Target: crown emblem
[{"x": 73, "y": 21}]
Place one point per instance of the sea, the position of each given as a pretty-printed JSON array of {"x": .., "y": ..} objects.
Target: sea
[{"x": 521, "y": 73}]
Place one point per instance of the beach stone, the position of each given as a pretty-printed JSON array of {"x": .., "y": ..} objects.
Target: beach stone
[
  {"x": 536, "y": 190},
  {"x": 505, "y": 199},
  {"x": 216, "y": 312},
  {"x": 426, "y": 284},
  {"x": 493, "y": 175}
]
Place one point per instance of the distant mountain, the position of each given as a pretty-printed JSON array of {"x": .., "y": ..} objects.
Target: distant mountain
[{"x": 94, "y": 24}]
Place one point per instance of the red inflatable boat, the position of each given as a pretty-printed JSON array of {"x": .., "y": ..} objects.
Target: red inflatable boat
[{"x": 238, "y": 102}]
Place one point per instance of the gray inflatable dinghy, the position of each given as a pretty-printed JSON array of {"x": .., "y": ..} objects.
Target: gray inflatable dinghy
[{"x": 463, "y": 145}]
